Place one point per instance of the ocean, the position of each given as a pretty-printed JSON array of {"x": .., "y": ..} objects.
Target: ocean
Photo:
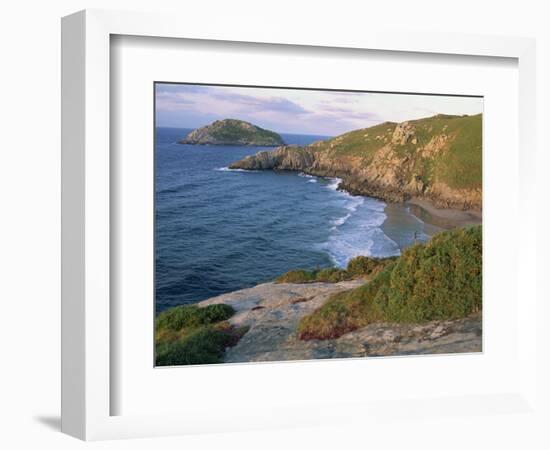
[{"x": 218, "y": 230}]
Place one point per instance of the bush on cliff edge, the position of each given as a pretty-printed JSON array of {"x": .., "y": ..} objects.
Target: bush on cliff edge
[
  {"x": 360, "y": 266},
  {"x": 441, "y": 279},
  {"x": 190, "y": 334}
]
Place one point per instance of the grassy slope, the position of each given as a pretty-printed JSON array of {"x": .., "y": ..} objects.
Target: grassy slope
[
  {"x": 438, "y": 280},
  {"x": 360, "y": 142},
  {"x": 193, "y": 335},
  {"x": 459, "y": 166}
]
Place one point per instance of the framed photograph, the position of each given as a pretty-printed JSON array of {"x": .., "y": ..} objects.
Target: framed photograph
[
  {"x": 305, "y": 218},
  {"x": 354, "y": 232}
]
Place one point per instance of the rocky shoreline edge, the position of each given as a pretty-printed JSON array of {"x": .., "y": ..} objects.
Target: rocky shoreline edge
[
  {"x": 272, "y": 311},
  {"x": 449, "y": 213}
]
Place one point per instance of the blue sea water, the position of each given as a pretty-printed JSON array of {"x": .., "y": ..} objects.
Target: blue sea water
[{"x": 219, "y": 230}]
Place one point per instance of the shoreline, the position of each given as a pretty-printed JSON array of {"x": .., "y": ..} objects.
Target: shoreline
[
  {"x": 436, "y": 219},
  {"x": 446, "y": 219}
]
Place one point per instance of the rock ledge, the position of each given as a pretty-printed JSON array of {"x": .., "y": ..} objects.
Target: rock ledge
[{"x": 272, "y": 311}]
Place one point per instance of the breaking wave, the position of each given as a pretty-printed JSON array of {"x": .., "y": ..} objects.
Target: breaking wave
[{"x": 358, "y": 231}]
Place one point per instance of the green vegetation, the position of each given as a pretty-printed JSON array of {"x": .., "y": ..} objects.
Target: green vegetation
[
  {"x": 192, "y": 316},
  {"x": 441, "y": 279},
  {"x": 360, "y": 266},
  {"x": 459, "y": 166},
  {"x": 363, "y": 142},
  {"x": 204, "y": 345},
  {"x": 331, "y": 275},
  {"x": 231, "y": 130},
  {"x": 194, "y": 335},
  {"x": 437, "y": 158}
]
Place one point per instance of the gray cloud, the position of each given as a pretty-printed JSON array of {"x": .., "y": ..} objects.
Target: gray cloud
[
  {"x": 250, "y": 103},
  {"x": 298, "y": 111}
]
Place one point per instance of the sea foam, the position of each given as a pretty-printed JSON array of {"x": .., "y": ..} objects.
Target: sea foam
[
  {"x": 310, "y": 178},
  {"x": 334, "y": 183},
  {"x": 227, "y": 169},
  {"x": 358, "y": 231}
]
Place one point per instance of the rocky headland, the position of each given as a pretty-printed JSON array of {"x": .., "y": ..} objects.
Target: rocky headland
[
  {"x": 233, "y": 132},
  {"x": 437, "y": 159}
]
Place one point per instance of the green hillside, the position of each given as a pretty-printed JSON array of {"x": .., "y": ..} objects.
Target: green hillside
[
  {"x": 458, "y": 163},
  {"x": 437, "y": 158}
]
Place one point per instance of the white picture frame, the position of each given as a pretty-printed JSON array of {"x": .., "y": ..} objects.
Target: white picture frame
[{"x": 86, "y": 221}]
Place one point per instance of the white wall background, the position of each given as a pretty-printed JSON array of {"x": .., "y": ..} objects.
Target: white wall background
[{"x": 30, "y": 195}]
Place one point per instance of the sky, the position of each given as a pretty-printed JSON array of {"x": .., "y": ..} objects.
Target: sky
[{"x": 323, "y": 113}]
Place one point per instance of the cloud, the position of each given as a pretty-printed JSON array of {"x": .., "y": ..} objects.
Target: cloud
[
  {"x": 222, "y": 99},
  {"x": 337, "y": 110},
  {"x": 260, "y": 104},
  {"x": 172, "y": 102},
  {"x": 177, "y": 97},
  {"x": 325, "y": 113}
]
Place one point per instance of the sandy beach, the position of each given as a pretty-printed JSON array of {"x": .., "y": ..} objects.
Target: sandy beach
[{"x": 443, "y": 218}]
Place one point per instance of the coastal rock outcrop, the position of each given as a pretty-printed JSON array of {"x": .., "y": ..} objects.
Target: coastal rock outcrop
[
  {"x": 403, "y": 133},
  {"x": 437, "y": 159},
  {"x": 233, "y": 132},
  {"x": 272, "y": 313},
  {"x": 287, "y": 157}
]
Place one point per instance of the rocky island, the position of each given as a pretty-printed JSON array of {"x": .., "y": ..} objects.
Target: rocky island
[
  {"x": 233, "y": 132},
  {"x": 436, "y": 159}
]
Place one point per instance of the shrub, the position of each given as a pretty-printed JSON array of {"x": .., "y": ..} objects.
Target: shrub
[
  {"x": 191, "y": 316},
  {"x": 438, "y": 280},
  {"x": 360, "y": 266},
  {"x": 366, "y": 265},
  {"x": 331, "y": 275},
  {"x": 205, "y": 345},
  {"x": 190, "y": 334},
  {"x": 343, "y": 312},
  {"x": 296, "y": 276}
]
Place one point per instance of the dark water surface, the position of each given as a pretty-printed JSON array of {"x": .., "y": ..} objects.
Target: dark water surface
[{"x": 219, "y": 230}]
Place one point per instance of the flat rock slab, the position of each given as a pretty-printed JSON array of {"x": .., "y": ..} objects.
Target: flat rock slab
[{"x": 272, "y": 313}]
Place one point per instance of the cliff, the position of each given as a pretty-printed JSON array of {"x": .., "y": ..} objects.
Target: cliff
[
  {"x": 437, "y": 158},
  {"x": 232, "y": 132}
]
